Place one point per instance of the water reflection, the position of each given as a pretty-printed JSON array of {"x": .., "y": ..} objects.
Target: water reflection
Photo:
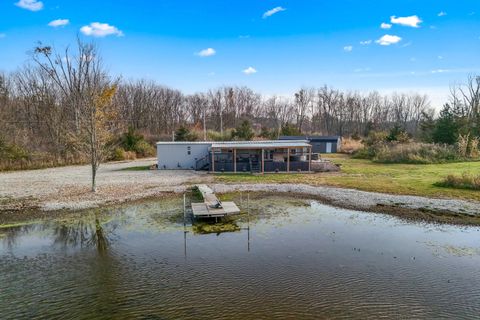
[
  {"x": 308, "y": 261},
  {"x": 85, "y": 233}
]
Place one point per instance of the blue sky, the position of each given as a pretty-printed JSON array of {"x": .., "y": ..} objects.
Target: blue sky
[{"x": 274, "y": 47}]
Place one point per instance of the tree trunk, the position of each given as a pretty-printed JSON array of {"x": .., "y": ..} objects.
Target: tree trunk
[{"x": 94, "y": 177}]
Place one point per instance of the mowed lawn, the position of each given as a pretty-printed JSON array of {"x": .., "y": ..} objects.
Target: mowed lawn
[{"x": 369, "y": 176}]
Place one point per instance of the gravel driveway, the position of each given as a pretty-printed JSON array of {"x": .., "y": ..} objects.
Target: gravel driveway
[{"x": 69, "y": 187}]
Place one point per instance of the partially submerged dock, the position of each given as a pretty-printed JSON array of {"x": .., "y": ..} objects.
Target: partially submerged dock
[{"x": 212, "y": 207}]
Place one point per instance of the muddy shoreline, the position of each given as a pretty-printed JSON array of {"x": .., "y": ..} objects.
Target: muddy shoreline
[{"x": 407, "y": 210}]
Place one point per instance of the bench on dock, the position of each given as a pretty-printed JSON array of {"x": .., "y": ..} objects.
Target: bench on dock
[{"x": 212, "y": 207}]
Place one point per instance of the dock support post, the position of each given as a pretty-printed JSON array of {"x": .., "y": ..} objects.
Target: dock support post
[
  {"x": 288, "y": 159},
  {"x": 263, "y": 161},
  {"x": 234, "y": 160},
  {"x": 184, "y": 211},
  {"x": 310, "y": 159},
  {"x": 213, "y": 160}
]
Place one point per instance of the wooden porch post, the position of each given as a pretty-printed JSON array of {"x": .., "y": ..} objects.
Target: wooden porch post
[
  {"x": 213, "y": 160},
  {"x": 263, "y": 160},
  {"x": 288, "y": 159},
  {"x": 234, "y": 160},
  {"x": 309, "y": 159}
]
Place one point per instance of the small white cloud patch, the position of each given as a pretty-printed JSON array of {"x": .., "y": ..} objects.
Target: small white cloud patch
[
  {"x": 387, "y": 40},
  {"x": 206, "y": 52},
  {"x": 442, "y": 14},
  {"x": 32, "y": 5},
  {"x": 249, "y": 71},
  {"x": 366, "y": 42},
  {"x": 410, "y": 21},
  {"x": 59, "y": 23},
  {"x": 97, "y": 29},
  {"x": 271, "y": 12},
  {"x": 348, "y": 48},
  {"x": 385, "y": 25}
]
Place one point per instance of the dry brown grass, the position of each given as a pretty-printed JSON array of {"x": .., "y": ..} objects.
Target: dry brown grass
[{"x": 350, "y": 145}]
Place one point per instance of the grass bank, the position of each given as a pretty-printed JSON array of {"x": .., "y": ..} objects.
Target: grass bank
[{"x": 403, "y": 179}]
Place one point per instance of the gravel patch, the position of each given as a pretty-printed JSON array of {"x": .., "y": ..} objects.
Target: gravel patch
[
  {"x": 360, "y": 199},
  {"x": 69, "y": 187}
]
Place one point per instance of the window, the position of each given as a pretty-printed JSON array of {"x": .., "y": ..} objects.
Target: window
[{"x": 189, "y": 150}]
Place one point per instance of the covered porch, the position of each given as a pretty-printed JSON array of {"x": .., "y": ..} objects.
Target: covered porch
[{"x": 260, "y": 157}]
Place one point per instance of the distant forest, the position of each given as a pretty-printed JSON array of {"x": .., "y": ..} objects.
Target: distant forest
[{"x": 43, "y": 103}]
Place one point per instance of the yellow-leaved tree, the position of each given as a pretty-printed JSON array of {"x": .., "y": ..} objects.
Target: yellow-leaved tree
[{"x": 87, "y": 92}]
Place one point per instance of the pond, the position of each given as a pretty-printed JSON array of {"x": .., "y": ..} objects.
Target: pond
[{"x": 288, "y": 259}]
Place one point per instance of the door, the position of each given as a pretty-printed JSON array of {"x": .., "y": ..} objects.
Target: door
[{"x": 329, "y": 147}]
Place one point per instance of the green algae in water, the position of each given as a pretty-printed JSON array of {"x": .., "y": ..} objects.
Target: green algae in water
[{"x": 220, "y": 227}]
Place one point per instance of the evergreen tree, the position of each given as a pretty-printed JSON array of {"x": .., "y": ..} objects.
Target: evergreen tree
[
  {"x": 427, "y": 126},
  {"x": 244, "y": 131},
  {"x": 184, "y": 134},
  {"x": 446, "y": 128},
  {"x": 289, "y": 130}
]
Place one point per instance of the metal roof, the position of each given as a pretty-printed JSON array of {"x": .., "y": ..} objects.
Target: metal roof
[
  {"x": 261, "y": 144},
  {"x": 311, "y": 138},
  {"x": 185, "y": 142}
]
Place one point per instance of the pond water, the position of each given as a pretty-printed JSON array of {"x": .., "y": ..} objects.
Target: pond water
[{"x": 291, "y": 259}]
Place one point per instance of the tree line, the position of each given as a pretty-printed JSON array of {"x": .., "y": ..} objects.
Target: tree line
[{"x": 62, "y": 97}]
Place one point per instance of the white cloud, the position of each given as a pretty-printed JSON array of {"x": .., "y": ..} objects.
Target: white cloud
[
  {"x": 98, "y": 29},
  {"x": 32, "y": 5},
  {"x": 271, "y": 12},
  {"x": 385, "y": 25},
  {"x": 348, "y": 48},
  {"x": 411, "y": 21},
  {"x": 366, "y": 42},
  {"x": 362, "y": 70},
  {"x": 206, "y": 52},
  {"x": 249, "y": 71},
  {"x": 59, "y": 23},
  {"x": 442, "y": 13},
  {"x": 387, "y": 40}
]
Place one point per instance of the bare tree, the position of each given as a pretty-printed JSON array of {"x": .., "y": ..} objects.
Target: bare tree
[{"x": 88, "y": 91}]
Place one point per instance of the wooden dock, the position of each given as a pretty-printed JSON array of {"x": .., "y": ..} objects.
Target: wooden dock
[{"x": 212, "y": 207}]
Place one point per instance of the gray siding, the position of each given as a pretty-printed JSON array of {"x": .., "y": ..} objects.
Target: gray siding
[{"x": 177, "y": 157}]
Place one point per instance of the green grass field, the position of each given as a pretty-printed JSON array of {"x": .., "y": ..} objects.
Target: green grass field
[{"x": 368, "y": 176}]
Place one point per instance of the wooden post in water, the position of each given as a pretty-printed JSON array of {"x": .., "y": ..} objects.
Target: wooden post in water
[
  {"x": 184, "y": 212},
  {"x": 248, "y": 205}
]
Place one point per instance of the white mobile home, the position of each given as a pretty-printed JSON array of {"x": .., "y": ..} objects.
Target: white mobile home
[
  {"x": 181, "y": 155},
  {"x": 236, "y": 156}
]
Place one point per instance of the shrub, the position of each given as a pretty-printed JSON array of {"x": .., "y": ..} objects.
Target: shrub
[
  {"x": 185, "y": 134},
  {"x": 467, "y": 146},
  {"x": 133, "y": 142},
  {"x": 12, "y": 151},
  {"x": 351, "y": 145},
  {"x": 465, "y": 181},
  {"x": 217, "y": 136},
  {"x": 120, "y": 154},
  {"x": 289, "y": 129},
  {"x": 144, "y": 149},
  {"x": 415, "y": 153}
]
